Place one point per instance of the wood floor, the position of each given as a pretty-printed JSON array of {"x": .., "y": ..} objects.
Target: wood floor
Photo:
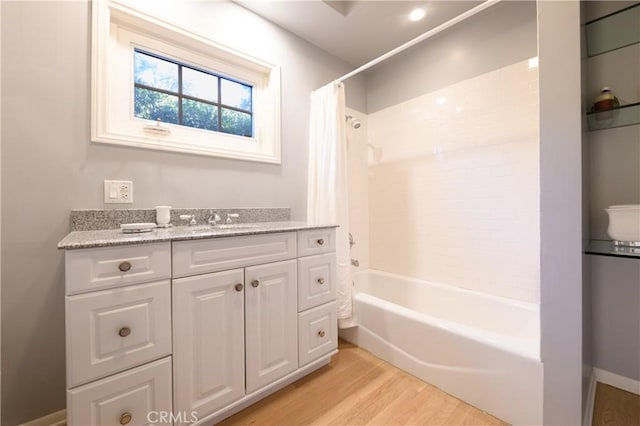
[
  {"x": 615, "y": 407},
  {"x": 357, "y": 388}
]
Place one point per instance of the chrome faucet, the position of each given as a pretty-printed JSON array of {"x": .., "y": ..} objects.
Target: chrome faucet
[
  {"x": 190, "y": 217},
  {"x": 214, "y": 218},
  {"x": 230, "y": 216}
]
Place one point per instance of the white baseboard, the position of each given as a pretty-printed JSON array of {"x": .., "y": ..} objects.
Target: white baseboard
[
  {"x": 591, "y": 400},
  {"x": 615, "y": 380},
  {"x": 608, "y": 378},
  {"x": 59, "y": 418}
]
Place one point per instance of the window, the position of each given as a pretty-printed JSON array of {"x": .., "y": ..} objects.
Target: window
[
  {"x": 173, "y": 92},
  {"x": 161, "y": 87}
]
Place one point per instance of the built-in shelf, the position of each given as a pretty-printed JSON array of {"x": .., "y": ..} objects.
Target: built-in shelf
[
  {"x": 607, "y": 248},
  {"x": 626, "y": 115},
  {"x": 614, "y": 31}
]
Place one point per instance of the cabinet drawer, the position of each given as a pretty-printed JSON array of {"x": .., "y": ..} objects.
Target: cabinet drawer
[
  {"x": 316, "y": 280},
  {"x": 316, "y": 241},
  {"x": 116, "y": 329},
  {"x": 107, "y": 267},
  {"x": 219, "y": 254},
  {"x": 318, "y": 332},
  {"x": 125, "y": 398}
]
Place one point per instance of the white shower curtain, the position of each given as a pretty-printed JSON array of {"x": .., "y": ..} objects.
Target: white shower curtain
[{"x": 327, "y": 196}]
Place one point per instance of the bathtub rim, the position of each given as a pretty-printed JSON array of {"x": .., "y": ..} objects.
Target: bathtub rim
[
  {"x": 530, "y": 306},
  {"x": 525, "y": 347}
]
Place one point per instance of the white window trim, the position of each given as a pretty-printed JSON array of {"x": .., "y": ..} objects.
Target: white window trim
[{"x": 117, "y": 30}]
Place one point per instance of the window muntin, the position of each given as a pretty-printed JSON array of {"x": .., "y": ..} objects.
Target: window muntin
[{"x": 176, "y": 93}]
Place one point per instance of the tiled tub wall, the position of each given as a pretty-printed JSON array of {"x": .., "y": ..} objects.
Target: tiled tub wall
[{"x": 454, "y": 196}]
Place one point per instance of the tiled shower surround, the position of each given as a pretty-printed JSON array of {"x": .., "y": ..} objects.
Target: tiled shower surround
[{"x": 454, "y": 192}]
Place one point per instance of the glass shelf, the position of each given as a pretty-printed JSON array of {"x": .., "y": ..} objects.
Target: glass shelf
[
  {"x": 607, "y": 248},
  {"x": 626, "y": 115},
  {"x": 615, "y": 31}
]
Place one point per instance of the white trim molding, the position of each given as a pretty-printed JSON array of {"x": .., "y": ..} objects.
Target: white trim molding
[
  {"x": 587, "y": 416},
  {"x": 118, "y": 29},
  {"x": 59, "y": 418},
  {"x": 607, "y": 378},
  {"x": 617, "y": 381}
]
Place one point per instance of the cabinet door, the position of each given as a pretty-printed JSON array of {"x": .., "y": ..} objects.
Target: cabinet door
[
  {"x": 271, "y": 323},
  {"x": 208, "y": 341}
]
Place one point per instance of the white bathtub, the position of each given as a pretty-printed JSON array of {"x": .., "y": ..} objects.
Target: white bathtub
[{"x": 482, "y": 349}]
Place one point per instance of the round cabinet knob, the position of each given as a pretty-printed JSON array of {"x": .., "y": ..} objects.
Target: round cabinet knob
[
  {"x": 320, "y": 241},
  {"x": 239, "y": 287},
  {"x": 255, "y": 283},
  {"x": 321, "y": 333},
  {"x": 124, "y": 266},
  {"x": 124, "y": 332},
  {"x": 320, "y": 280},
  {"x": 125, "y": 418}
]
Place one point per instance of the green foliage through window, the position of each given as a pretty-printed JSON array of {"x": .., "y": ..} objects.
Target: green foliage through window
[{"x": 176, "y": 93}]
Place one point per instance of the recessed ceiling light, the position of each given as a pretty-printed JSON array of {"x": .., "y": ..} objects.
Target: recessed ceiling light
[{"x": 417, "y": 14}]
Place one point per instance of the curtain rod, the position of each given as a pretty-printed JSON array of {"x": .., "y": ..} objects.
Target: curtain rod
[{"x": 420, "y": 38}]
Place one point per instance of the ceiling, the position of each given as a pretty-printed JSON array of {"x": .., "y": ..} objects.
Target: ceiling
[{"x": 356, "y": 31}]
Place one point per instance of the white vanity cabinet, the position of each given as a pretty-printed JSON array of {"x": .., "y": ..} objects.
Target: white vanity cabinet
[{"x": 197, "y": 328}]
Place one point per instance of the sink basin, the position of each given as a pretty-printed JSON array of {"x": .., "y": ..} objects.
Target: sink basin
[
  {"x": 199, "y": 228},
  {"x": 221, "y": 227},
  {"x": 236, "y": 226}
]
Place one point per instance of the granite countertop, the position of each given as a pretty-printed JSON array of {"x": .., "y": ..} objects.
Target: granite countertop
[{"x": 115, "y": 237}]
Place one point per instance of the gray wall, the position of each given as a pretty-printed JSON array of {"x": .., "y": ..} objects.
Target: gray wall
[
  {"x": 616, "y": 315},
  {"x": 499, "y": 36},
  {"x": 561, "y": 210},
  {"x": 49, "y": 167},
  {"x": 598, "y": 9}
]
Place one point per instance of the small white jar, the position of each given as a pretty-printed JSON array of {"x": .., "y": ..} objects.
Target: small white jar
[
  {"x": 624, "y": 224},
  {"x": 163, "y": 216}
]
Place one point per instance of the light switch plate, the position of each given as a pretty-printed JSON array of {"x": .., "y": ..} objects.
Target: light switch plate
[{"x": 118, "y": 191}]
